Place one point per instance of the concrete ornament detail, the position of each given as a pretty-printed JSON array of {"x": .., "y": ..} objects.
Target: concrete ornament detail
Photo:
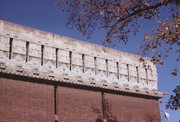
[{"x": 34, "y": 53}]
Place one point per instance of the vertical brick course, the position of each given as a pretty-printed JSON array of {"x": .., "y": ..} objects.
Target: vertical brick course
[
  {"x": 25, "y": 101},
  {"x": 76, "y": 105}
]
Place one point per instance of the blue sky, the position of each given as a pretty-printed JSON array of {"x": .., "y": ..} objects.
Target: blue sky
[{"x": 43, "y": 15}]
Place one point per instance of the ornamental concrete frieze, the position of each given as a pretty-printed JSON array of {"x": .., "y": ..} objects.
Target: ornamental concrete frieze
[{"x": 33, "y": 53}]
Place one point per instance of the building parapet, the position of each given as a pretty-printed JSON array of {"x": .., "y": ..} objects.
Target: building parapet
[{"x": 33, "y": 53}]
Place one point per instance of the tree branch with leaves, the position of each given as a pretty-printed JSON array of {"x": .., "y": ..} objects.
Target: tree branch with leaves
[{"x": 120, "y": 18}]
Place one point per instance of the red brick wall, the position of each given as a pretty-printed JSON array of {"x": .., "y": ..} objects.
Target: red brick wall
[
  {"x": 119, "y": 108},
  {"x": 33, "y": 102},
  {"x": 77, "y": 105},
  {"x": 25, "y": 101}
]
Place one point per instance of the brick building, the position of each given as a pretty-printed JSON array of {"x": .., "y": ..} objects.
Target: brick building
[{"x": 46, "y": 77}]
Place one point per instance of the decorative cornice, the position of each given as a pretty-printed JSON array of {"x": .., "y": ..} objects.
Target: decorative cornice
[{"x": 79, "y": 80}]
